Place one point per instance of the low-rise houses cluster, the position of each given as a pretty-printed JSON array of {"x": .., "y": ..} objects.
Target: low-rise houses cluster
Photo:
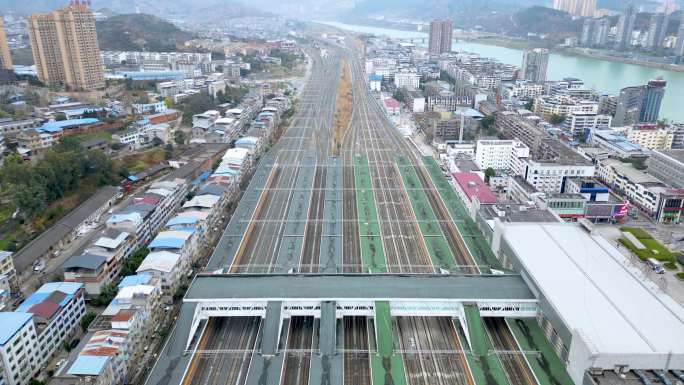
[
  {"x": 99, "y": 263},
  {"x": 252, "y": 116},
  {"x": 172, "y": 219}
]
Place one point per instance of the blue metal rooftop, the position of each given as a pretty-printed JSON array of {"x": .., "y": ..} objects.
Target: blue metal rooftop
[
  {"x": 88, "y": 365},
  {"x": 59, "y": 126},
  {"x": 11, "y": 323}
]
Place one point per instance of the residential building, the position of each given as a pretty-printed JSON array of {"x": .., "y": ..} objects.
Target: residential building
[
  {"x": 7, "y": 269},
  {"x": 645, "y": 191},
  {"x": 392, "y": 107},
  {"x": 595, "y": 32},
  {"x": 5, "y": 57},
  {"x": 10, "y": 127},
  {"x": 650, "y": 136},
  {"x": 101, "y": 262},
  {"x": 470, "y": 187},
  {"x": 614, "y": 144},
  {"x": 441, "y": 35},
  {"x": 657, "y": 30},
  {"x": 504, "y": 155},
  {"x": 679, "y": 46},
  {"x": 102, "y": 359},
  {"x": 18, "y": 348},
  {"x": 415, "y": 101},
  {"x": 408, "y": 80},
  {"x": 171, "y": 268},
  {"x": 521, "y": 90},
  {"x": 535, "y": 64},
  {"x": 550, "y": 176},
  {"x": 375, "y": 83},
  {"x": 579, "y": 123},
  {"x": 625, "y": 28},
  {"x": 668, "y": 166},
  {"x": 57, "y": 308},
  {"x": 653, "y": 98},
  {"x": 516, "y": 127},
  {"x": 585, "y": 8},
  {"x": 563, "y": 105},
  {"x": 628, "y": 106},
  {"x": 65, "y": 47}
]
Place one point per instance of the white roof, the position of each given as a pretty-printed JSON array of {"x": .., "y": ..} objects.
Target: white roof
[
  {"x": 225, "y": 121},
  {"x": 184, "y": 235},
  {"x": 163, "y": 261},
  {"x": 126, "y": 293},
  {"x": 160, "y": 191},
  {"x": 206, "y": 201},
  {"x": 596, "y": 291},
  {"x": 109, "y": 243},
  {"x": 236, "y": 153}
]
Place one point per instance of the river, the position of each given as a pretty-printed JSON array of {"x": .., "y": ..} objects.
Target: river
[{"x": 602, "y": 75}]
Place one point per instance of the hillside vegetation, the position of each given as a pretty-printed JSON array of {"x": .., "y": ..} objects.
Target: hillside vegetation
[{"x": 139, "y": 32}]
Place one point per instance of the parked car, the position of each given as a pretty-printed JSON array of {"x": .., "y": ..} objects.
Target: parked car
[{"x": 655, "y": 265}]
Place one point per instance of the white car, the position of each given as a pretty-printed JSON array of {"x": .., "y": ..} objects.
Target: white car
[{"x": 40, "y": 266}]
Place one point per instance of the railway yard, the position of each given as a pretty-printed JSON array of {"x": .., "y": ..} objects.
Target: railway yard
[{"x": 379, "y": 208}]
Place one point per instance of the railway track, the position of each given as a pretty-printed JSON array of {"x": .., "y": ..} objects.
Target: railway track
[
  {"x": 404, "y": 247},
  {"x": 432, "y": 352},
  {"x": 298, "y": 352},
  {"x": 514, "y": 364},
  {"x": 234, "y": 341},
  {"x": 308, "y": 133},
  {"x": 312, "y": 241},
  {"x": 356, "y": 359}
]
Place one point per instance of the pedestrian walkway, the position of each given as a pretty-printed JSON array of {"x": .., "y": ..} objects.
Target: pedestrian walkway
[
  {"x": 547, "y": 366},
  {"x": 486, "y": 367},
  {"x": 372, "y": 254},
  {"x": 387, "y": 367}
]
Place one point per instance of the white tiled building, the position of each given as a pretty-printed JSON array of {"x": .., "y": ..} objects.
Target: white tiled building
[
  {"x": 408, "y": 80},
  {"x": 18, "y": 348},
  {"x": 506, "y": 155}
]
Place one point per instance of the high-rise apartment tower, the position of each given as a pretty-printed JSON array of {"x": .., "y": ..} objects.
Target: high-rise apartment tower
[{"x": 65, "y": 47}]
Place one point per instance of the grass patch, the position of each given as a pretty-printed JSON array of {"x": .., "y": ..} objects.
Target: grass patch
[
  {"x": 670, "y": 265},
  {"x": 654, "y": 249},
  {"x": 680, "y": 275}
]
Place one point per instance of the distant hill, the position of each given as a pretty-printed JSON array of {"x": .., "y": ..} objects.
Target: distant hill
[
  {"x": 542, "y": 20},
  {"x": 139, "y": 32}
]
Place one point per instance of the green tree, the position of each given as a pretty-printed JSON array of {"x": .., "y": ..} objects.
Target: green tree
[
  {"x": 489, "y": 173},
  {"x": 557, "y": 119},
  {"x": 87, "y": 319},
  {"x": 60, "y": 116},
  {"x": 179, "y": 137},
  {"x": 168, "y": 151},
  {"x": 132, "y": 263},
  {"x": 399, "y": 95},
  {"x": 107, "y": 294},
  {"x": 487, "y": 124}
]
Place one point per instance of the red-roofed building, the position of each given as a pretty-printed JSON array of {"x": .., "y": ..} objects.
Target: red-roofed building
[
  {"x": 44, "y": 309},
  {"x": 392, "y": 106},
  {"x": 469, "y": 186}
]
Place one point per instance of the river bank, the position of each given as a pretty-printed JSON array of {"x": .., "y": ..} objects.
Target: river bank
[
  {"x": 521, "y": 44},
  {"x": 605, "y": 76}
]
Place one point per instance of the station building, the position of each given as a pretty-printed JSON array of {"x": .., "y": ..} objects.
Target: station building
[{"x": 598, "y": 310}]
